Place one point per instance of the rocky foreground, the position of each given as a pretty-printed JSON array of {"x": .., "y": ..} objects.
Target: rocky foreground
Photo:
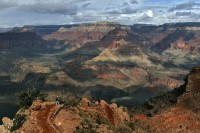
[
  {"x": 46, "y": 117},
  {"x": 182, "y": 115}
]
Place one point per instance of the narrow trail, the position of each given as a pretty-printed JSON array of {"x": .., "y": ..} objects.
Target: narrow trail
[
  {"x": 52, "y": 117},
  {"x": 109, "y": 113},
  {"x": 42, "y": 120}
]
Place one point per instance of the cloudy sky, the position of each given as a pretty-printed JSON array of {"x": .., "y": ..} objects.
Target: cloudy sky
[{"x": 45, "y": 12}]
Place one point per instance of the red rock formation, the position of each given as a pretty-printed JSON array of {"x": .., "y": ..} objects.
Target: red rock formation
[
  {"x": 184, "y": 116},
  {"x": 46, "y": 117},
  {"x": 170, "y": 83},
  {"x": 180, "y": 44},
  {"x": 114, "y": 114},
  {"x": 82, "y": 34}
]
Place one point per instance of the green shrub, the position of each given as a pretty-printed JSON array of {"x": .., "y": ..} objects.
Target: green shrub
[
  {"x": 18, "y": 122},
  {"x": 85, "y": 131},
  {"x": 81, "y": 114},
  {"x": 100, "y": 120},
  {"x": 122, "y": 129},
  {"x": 71, "y": 102},
  {"x": 131, "y": 125},
  {"x": 27, "y": 97}
]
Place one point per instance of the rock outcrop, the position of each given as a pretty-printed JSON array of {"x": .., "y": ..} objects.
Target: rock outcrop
[
  {"x": 7, "y": 124},
  {"x": 191, "y": 98},
  {"x": 183, "y": 115},
  {"x": 82, "y": 34},
  {"x": 46, "y": 117}
]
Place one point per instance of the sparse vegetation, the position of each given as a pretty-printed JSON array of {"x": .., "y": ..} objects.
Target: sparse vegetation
[
  {"x": 18, "y": 122},
  {"x": 27, "y": 97},
  {"x": 85, "y": 131},
  {"x": 157, "y": 104},
  {"x": 70, "y": 102},
  {"x": 122, "y": 129},
  {"x": 88, "y": 126},
  {"x": 100, "y": 120},
  {"x": 131, "y": 125}
]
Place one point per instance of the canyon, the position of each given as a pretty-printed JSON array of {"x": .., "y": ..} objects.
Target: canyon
[
  {"x": 105, "y": 60},
  {"x": 173, "y": 111}
]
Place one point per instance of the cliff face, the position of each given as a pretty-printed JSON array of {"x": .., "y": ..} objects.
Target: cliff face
[
  {"x": 39, "y": 30},
  {"x": 182, "y": 36},
  {"x": 190, "y": 99},
  {"x": 92, "y": 27},
  {"x": 20, "y": 40},
  {"x": 82, "y": 34},
  {"x": 183, "y": 115},
  {"x": 180, "y": 39}
]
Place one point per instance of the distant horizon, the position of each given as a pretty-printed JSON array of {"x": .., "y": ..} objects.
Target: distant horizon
[{"x": 97, "y": 22}]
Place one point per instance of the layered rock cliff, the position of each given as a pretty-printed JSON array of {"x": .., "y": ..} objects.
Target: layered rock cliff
[
  {"x": 82, "y": 34},
  {"x": 171, "y": 36},
  {"x": 21, "y": 40},
  {"x": 176, "y": 111}
]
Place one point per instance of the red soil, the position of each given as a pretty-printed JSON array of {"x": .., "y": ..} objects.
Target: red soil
[{"x": 42, "y": 120}]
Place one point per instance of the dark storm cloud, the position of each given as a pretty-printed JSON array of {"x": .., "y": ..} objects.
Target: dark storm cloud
[
  {"x": 185, "y": 6},
  {"x": 56, "y": 9},
  {"x": 133, "y": 1},
  {"x": 64, "y": 7},
  {"x": 191, "y": 15},
  {"x": 183, "y": 13},
  {"x": 114, "y": 12},
  {"x": 129, "y": 10},
  {"x": 51, "y": 8},
  {"x": 126, "y": 10},
  {"x": 86, "y": 5},
  {"x": 125, "y": 4},
  {"x": 4, "y": 4}
]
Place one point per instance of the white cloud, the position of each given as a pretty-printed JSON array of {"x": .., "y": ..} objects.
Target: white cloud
[
  {"x": 186, "y": 6},
  {"x": 30, "y": 12},
  {"x": 149, "y": 13}
]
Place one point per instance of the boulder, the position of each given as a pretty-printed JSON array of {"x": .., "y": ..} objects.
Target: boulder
[
  {"x": 36, "y": 105},
  {"x": 84, "y": 102},
  {"x": 7, "y": 123},
  {"x": 3, "y": 130}
]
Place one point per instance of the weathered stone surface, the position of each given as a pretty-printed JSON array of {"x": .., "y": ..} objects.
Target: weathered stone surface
[
  {"x": 182, "y": 117},
  {"x": 7, "y": 122}
]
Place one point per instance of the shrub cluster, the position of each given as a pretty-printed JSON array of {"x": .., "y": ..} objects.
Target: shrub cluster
[
  {"x": 27, "y": 97},
  {"x": 18, "y": 121}
]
